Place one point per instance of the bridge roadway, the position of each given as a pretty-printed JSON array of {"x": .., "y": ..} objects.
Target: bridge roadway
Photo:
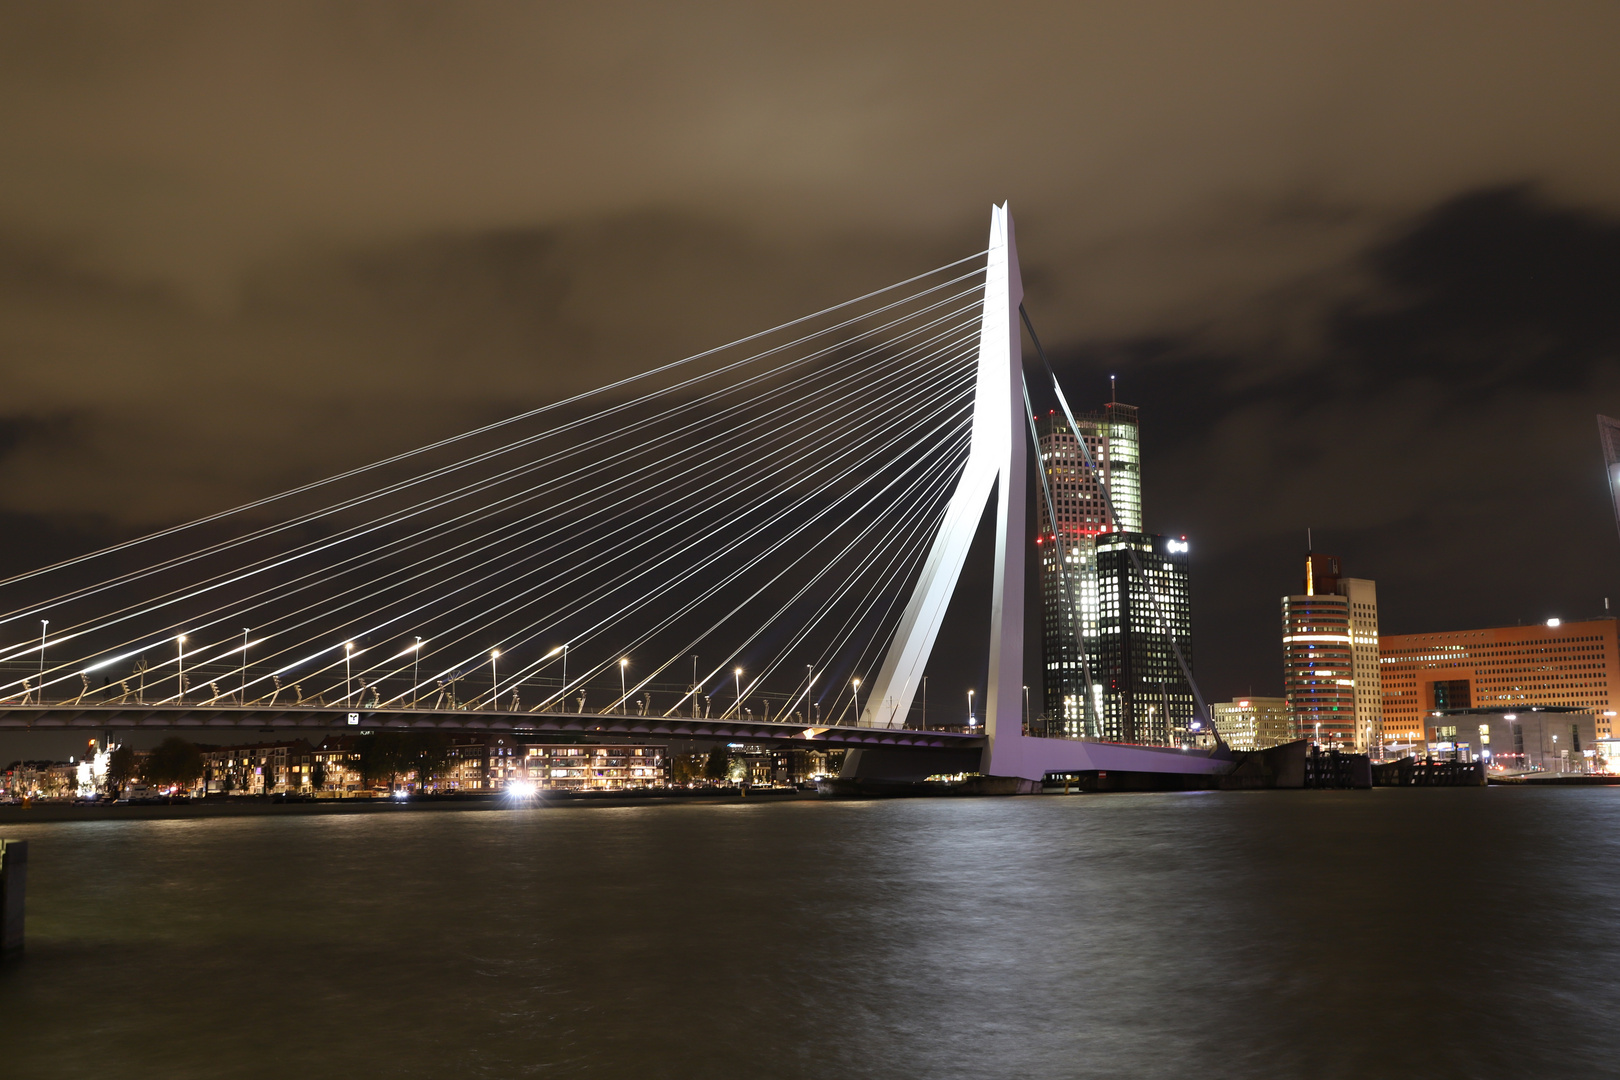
[{"x": 219, "y": 719}]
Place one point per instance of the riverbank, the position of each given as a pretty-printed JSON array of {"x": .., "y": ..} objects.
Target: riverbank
[{"x": 41, "y": 812}]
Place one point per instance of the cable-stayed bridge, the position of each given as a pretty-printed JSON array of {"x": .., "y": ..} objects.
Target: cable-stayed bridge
[{"x": 757, "y": 542}]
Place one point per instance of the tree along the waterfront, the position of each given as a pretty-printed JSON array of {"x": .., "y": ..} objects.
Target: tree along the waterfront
[{"x": 175, "y": 762}]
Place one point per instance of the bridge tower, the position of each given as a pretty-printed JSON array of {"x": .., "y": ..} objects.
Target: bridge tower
[{"x": 996, "y": 464}]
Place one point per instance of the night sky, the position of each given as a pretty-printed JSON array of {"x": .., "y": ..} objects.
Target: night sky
[{"x": 1359, "y": 265}]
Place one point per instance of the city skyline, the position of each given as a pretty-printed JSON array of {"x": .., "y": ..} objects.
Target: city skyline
[
  {"x": 549, "y": 539},
  {"x": 197, "y": 320}
]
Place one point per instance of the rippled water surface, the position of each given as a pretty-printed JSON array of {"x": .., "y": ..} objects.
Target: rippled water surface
[{"x": 1271, "y": 934}]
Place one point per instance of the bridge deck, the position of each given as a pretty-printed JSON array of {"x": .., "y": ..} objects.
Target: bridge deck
[{"x": 221, "y": 719}]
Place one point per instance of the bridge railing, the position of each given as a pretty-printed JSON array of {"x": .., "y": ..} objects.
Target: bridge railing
[{"x": 219, "y": 686}]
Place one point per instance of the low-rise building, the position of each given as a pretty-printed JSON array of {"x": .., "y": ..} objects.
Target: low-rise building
[
  {"x": 267, "y": 768},
  {"x": 595, "y": 767},
  {"x": 338, "y": 758},
  {"x": 1551, "y": 738},
  {"x": 41, "y": 779},
  {"x": 481, "y": 763},
  {"x": 1253, "y": 723}
]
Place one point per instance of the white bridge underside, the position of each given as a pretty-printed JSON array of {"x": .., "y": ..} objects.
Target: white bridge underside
[{"x": 997, "y": 465}]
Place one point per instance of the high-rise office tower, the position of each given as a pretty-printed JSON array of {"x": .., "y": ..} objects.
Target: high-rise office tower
[
  {"x": 1331, "y": 679},
  {"x": 1068, "y": 552},
  {"x": 1143, "y": 618}
]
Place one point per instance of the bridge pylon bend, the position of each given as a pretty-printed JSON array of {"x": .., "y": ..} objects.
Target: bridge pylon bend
[{"x": 997, "y": 464}]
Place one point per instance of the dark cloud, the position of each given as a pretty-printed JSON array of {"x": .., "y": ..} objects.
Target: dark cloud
[
  {"x": 1356, "y": 264},
  {"x": 1441, "y": 436}
]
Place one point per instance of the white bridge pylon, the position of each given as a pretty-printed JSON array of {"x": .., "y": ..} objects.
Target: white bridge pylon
[{"x": 997, "y": 463}]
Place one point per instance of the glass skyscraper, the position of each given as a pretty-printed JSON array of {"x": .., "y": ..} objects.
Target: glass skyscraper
[
  {"x": 1142, "y": 619},
  {"x": 1069, "y": 534}
]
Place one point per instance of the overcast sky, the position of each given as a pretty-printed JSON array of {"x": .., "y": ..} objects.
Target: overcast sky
[{"x": 1358, "y": 264}]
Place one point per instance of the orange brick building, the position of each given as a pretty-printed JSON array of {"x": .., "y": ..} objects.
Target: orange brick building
[{"x": 1571, "y": 664}]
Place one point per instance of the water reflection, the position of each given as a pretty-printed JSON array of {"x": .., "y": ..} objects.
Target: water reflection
[{"x": 1388, "y": 933}]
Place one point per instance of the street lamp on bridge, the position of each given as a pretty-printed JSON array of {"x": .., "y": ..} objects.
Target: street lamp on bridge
[
  {"x": 736, "y": 673},
  {"x": 623, "y": 663},
  {"x": 970, "y": 709},
  {"x": 494, "y": 682},
  {"x": 856, "y": 692},
  {"x": 180, "y": 675},
  {"x": 348, "y": 671}
]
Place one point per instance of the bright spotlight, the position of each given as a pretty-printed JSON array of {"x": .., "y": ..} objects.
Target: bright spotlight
[{"x": 522, "y": 789}]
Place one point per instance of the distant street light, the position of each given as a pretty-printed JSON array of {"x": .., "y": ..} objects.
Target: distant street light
[
  {"x": 623, "y": 663},
  {"x": 180, "y": 676},
  {"x": 494, "y": 683},
  {"x": 244, "y": 665},
  {"x": 736, "y": 673},
  {"x": 970, "y": 708},
  {"x": 43, "y": 624},
  {"x": 856, "y": 691},
  {"x": 348, "y": 671}
]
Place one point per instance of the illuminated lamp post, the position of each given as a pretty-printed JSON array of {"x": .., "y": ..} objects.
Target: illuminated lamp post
[
  {"x": 855, "y": 684},
  {"x": 623, "y": 663},
  {"x": 970, "y": 708},
  {"x": 736, "y": 673},
  {"x": 180, "y": 675},
  {"x": 348, "y": 671},
  {"x": 494, "y": 682}
]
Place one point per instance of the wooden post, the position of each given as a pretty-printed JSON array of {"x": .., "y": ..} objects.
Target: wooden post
[{"x": 13, "y": 889}]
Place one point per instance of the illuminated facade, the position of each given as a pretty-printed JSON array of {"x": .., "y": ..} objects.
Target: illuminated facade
[
  {"x": 481, "y": 763},
  {"x": 1067, "y": 545},
  {"x": 1571, "y": 665},
  {"x": 595, "y": 767},
  {"x": 1145, "y": 696},
  {"x": 269, "y": 768},
  {"x": 1253, "y": 723},
  {"x": 1544, "y": 738},
  {"x": 1331, "y": 675}
]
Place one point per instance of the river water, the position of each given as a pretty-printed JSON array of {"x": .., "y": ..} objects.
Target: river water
[{"x": 1390, "y": 933}]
